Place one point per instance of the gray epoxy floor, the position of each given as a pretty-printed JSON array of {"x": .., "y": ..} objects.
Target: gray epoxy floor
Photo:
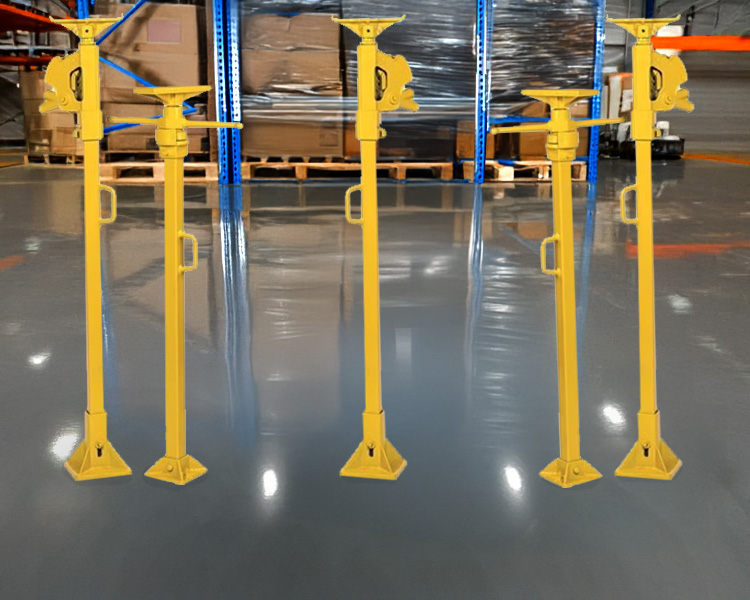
[{"x": 275, "y": 392}]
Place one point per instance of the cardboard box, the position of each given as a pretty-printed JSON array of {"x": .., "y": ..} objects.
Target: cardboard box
[
  {"x": 533, "y": 145},
  {"x": 580, "y": 110},
  {"x": 143, "y": 138},
  {"x": 291, "y": 72},
  {"x": 161, "y": 70},
  {"x": 50, "y": 133},
  {"x": 305, "y": 31},
  {"x": 619, "y": 95},
  {"x": 159, "y": 44},
  {"x": 155, "y": 29},
  {"x": 277, "y": 137},
  {"x": 63, "y": 142},
  {"x": 32, "y": 85},
  {"x": 465, "y": 141}
]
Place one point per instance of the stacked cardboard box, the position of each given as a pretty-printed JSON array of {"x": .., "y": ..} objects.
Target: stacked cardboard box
[
  {"x": 51, "y": 133},
  {"x": 161, "y": 44},
  {"x": 285, "y": 56},
  {"x": 291, "y": 54}
]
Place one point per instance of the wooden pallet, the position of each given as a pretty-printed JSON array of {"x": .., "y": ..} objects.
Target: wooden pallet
[
  {"x": 115, "y": 156},
  {"x": 52, "y": 159},
  {"x": 310, "y": 169},
  {"x": 153, "y": 172},
  {"x": 522, "y": 170}
]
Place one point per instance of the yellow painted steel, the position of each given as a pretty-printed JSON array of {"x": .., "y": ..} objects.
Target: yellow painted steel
[
  {"x": 570, "y": 469},
  {"x": 74, "y": 80},
  {"x": 656, "y": 87},
  {"x": 381, "y": 81},
  {"x": 176, "y": 466}
]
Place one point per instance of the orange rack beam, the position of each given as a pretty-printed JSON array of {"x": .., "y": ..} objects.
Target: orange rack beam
[
  {"x": 715, "y": 43},
  {"x": 16, "y": 18}
]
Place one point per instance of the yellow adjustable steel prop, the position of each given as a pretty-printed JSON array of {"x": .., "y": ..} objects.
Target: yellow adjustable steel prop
[
  {"x": 381, "y": 81},
  {"x": 176, "y": 466},
  {"x": 656, "y": 87},
  {"x": 570, "y": 469},
  {"x": 74, "y": 80}
]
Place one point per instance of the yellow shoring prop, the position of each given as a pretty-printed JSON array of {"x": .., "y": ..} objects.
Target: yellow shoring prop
[
  {"x": 656, "y": 87},
  {"x": 74, "y": 80},
  {"x": 176, "y": 466},
  {"x": 570, "y": 469},
  {"x": 381, "y": 81}
]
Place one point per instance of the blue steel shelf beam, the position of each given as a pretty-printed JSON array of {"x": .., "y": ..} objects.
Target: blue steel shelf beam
[
  {"x": 189, "y": 110},
  {"x": 482, "y": 47},
  {"x": 227, "y": 86},
  {"x": 596, "y": 101}
]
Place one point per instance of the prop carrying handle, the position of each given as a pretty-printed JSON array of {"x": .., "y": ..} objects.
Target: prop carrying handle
[
  {"x": 348, "y": 201},
  {"x": 543, "y": 254},
  {"x": 194, "y": 266},
  {"x": 623, "y": 208},
  {"x": 112, "y": 205}
]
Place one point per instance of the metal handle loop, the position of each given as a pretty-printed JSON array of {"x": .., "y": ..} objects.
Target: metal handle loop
[
  {"x": 543, "y": 253},
  {"x": 348, "y": 201},
  {"x": 623, "y": 210},
  {"x": 194, "y": 266},
  {"x": 112, "y": 205}
]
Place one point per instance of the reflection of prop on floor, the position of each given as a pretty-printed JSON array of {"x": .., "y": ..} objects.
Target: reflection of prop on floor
[{"x": 683, "y": 250}]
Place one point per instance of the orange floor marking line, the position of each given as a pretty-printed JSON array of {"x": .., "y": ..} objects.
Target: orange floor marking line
[
  {"x": 729, "y": 159},
  {"x": 682, "y": 250},
  {"x": 10, "y": 261}
]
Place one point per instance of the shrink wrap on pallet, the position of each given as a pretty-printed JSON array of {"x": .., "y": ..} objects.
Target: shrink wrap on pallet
[{"x": 544, "y": 43}]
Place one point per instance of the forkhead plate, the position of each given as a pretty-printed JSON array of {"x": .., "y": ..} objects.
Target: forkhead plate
[
  {"x": 643, "y": 28},
  {"x": 172, "y": 95},
  {"x": 559, "y": 98},
  {"x": 368, "y": 29},
  {"x": 87, "y": 29}
]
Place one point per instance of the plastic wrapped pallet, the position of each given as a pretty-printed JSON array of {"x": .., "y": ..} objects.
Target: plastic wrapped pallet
[
  {"x": 541, "y": 44},
  {"x": 435, "y": 38}
]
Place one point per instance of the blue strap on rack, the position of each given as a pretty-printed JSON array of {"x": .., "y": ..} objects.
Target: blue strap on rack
[{"x": 596, "y": 101}]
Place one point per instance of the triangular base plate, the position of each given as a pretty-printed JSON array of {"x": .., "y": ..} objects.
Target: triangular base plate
[
  {"x": 657, "y": 462},
  {"x": 89, "y": 462},
  {"x": 176, "y": 470},
  {"x": 567, "y": 474},
  {"x": 382, "y": 462}
]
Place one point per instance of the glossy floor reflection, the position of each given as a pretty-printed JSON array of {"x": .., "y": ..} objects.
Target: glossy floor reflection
[{"x": 275, "y": 393}]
